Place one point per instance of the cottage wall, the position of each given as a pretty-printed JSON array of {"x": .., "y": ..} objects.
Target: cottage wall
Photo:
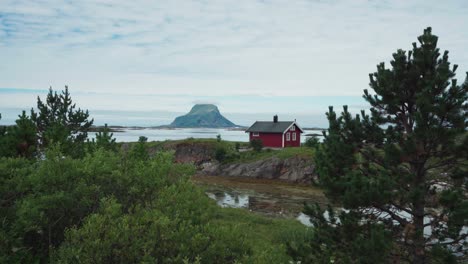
[
  {"x": 268, "y": 139},
  {"x": 294, "y": 141}
]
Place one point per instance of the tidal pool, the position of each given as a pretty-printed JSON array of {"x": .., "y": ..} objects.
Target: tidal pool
[
  {"x": 272, "y": 198},
  {"x": 267, "y": 197}
]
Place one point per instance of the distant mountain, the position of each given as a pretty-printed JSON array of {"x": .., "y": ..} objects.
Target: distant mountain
[{"x": 203, "y": 115}]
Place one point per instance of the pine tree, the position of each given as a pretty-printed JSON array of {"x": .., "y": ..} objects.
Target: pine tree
[
  {"x": 2, "y": 128},
  {"x": 140, "y": 150},
  {"x": 20, "y": 139},
  {"x": 401, "y": 172},
  {"x": 105, "y": 140},
  {"x": 24, "y": 135},
  {"x": 59, "y": 122},
  {"x": 3, "y": 148}
]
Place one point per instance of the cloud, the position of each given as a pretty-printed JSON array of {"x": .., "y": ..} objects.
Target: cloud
[
  {"x": 206, "y": 101},
  {"x": 214, "y": 48}
]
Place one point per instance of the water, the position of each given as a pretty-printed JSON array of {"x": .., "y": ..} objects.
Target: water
[
  {"x": 267, "y": 197},
  {"x": 234, "y": 200},
  {"x": 266, "y": 204},
  {"x": 132, "y": 135},
  {"x": 304, "y": 219},
  {"x": 276, "y": 199},
  {"x": 153, "y": 134},
  {"x": 261, "y": 203}
]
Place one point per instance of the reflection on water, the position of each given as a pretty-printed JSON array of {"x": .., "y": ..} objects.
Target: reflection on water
[
  {"x": 265, "y": 204},
  {"x": 267, "y": 197},
  {"x": 227, "y": 200},
  {"x": 259, "y": 202},
  {"x": 278, "y": 206},
  {"x": 237, "y": 200},
  {"x": 304, "y": 219}
]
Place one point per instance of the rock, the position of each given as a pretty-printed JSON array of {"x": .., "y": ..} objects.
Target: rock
[
  {"x": 193, "y": 153},
  {"x": 209, "y": 167},
  {"x": 295, "y": 169}
]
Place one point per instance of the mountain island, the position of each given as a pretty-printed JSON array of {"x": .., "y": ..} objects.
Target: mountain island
[{"x": 203, "y": 115}]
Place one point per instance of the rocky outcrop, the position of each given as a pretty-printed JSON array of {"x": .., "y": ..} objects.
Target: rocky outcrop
[
  {"x": 295, "y": 169},
  {"x": 202, "y": 115},
  {"x": 193, "y": 153}
]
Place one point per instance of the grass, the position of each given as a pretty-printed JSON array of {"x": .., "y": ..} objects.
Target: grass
[
  {"x": 251, "y": 156},
  {"x": 232, "y": 155},
  {"x": 208, "y": 141},
  {"x": 268, "y": 237}
]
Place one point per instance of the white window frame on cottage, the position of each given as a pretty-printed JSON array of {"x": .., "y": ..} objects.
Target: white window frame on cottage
[
  {"x": 255, "y": 134},
  {"x": 293, "y": 128},
  {"x": 288, "y": 136},
  {"x": 294, "y": 137}
]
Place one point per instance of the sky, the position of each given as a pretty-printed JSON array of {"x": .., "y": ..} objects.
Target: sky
[{"x": 145, "y": 62}]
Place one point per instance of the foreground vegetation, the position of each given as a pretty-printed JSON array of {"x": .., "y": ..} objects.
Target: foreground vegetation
[
  {"x": 401, "y": 171},
  {"x": 111, "y": 207}
]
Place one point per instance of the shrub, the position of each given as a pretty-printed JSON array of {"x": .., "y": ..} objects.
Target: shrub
[
  {"x": 257, "y": 145},
  {"x": 220, "y": 154},
  {"x": 312, "y": 142},
  {"x": 170, "y": 232}
]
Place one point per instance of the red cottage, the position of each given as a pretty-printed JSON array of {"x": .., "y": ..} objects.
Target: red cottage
[{"x": 276, "y": 134}]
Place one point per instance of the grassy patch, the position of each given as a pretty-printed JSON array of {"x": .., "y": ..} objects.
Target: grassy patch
[
  {"x": 250, "y": 156},
  {"x": 231, "y": 154},
  {"x": 268, "y": 237}
]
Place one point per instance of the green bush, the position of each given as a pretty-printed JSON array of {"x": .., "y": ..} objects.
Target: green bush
[
  {"x": 312, "y": 142},
  {"x": 175, "y": 229},
  {"x": 220, "y": 154},
  {"x": 257, "y": 145},
  {"x": 44, "y": 198},
  {"x": 109, "y": 207}
]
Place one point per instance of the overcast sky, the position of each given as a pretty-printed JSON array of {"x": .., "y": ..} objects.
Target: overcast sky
[{"x": 245, "y": 56}]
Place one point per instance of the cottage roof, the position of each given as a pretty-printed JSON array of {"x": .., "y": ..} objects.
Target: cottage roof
[{"x": 272, "y": 127}]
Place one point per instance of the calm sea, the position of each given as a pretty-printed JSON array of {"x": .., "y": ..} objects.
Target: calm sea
[{"x": 132, "y": 135}]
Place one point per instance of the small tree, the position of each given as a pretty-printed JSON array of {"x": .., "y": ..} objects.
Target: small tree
[
  {"x": 58, "y": 121},
  {"x": 2, "y": 128},
  {"x": 105, "y": 140},
  {"x": 312, "y": 142},
  {"x": 257, "y": 145},
  {"x": 24, "y": 135},
  {"x": 2, "y": 139},
  {"x": 237, "y": 146},
  {"x": 401, "y": 170},
  {"x": 140, "y": 151},
  {"x": 20, "y": 139}
]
